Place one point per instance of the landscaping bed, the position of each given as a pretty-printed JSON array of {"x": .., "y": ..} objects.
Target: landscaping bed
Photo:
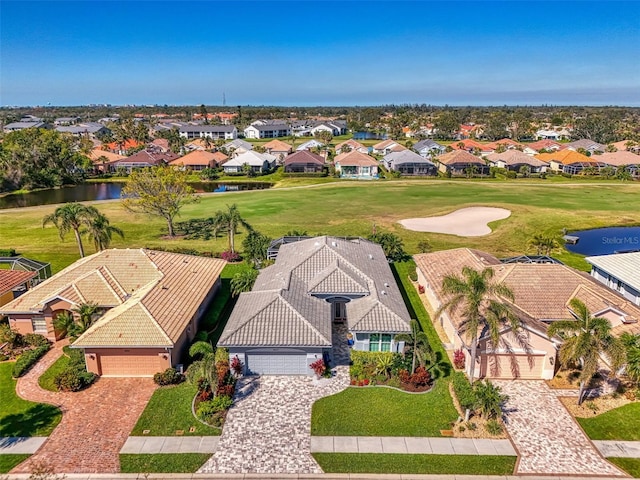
[
  {"x": 162, "y": 462},
  {"x": 20, "y": 418},
  {"x": 415, "y": 464}
]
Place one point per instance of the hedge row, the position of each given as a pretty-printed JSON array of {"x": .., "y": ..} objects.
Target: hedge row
[
  {"x": 463, "y": 390},
  {"x": 28, "y": 359}
]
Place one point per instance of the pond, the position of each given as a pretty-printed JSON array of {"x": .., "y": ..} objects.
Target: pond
[
  {"x": 604, "y": 241},
  {"x": 369, "y": 136},
  {"x": 107, "y": 191}
]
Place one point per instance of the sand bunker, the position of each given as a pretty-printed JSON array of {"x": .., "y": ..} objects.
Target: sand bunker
[{"x": 466, "y": 222}]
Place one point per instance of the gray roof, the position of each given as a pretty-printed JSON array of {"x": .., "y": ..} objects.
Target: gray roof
[
  {"x": 80, "y": 128},
  {"x": 252, "y": 158},
  {"x": 287, "y": 306},
  {"x": 207, "y": 128},
  {"x": 272, "y": 126},
  {"x": 405, "y": 156},
  {"x": 238, "y": 143},
  {"x": 23, "y": 125},
  {"x": 429, "y": 145},
  {"x": 587, "y": 144},
  {"x": 623, "y": 266}
]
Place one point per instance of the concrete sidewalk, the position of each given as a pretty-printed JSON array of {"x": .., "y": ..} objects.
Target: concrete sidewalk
[
  {"x": 618, "y": 448},
  {"x": 152, "y": 445},
  {"x": 418, "y": 445},
  {"x": 20, "y": 445}
]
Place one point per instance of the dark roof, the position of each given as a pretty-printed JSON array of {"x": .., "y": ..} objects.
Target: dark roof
[{"x": 304, "y": 156}]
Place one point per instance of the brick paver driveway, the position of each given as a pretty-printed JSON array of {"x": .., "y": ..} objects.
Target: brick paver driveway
[
  {"x": 549, "y": 441},
  {"x": 95, "y": 422},
  {"x": 268, "y": 430}
]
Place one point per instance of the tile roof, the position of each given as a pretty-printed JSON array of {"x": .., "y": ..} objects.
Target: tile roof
[
  {"x": 355, "y": 145},
  {"x": 286, "y": 311},
  {"x": 304, "y": 156},
  {"x": 355, "y": 158},
  {"x": 389, "y": 143},
  {"x": 10, "y": 279},
  {"x": 97, "y": 154},
  {"x": 467, "y": 143},
  {"x": 542, "y": 291},
  {"x": 543, "y": 144},
  {"x": 566, "y": 157},
  {"x": 618, "y": 159},
  {"x": 459, "y": 157},
  {"x": 623, "y": 266},
  {"x": 516, "y": 157},
  {"x": 168, "y": 287},
  {"x": 406, "y": 156},
  {"x": 277, "y": 145},
  {"x": 584, "y": 143},
  {"x": 197, "y": 157},
  {"x": 252, "y": 158}
]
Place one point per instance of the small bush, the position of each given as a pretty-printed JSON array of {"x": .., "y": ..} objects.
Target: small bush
[
  {"x": 221, "y": 355},
  {"x": 169, "y": 377},
  {"x": 318, "y": 367},
  {"x": 471, "y": 426},
  {"x": 421, "y": 289},
  {"x": 7, "y": 252},
  {"x": 7, "y": 335},
  {"x": 28, "y": 359},
  {"x": 463, "y": 391},
  {"x": 68, "y": 381},
  {"x": 413, "y": 273},
  {"x": 591, "y": 405},
  {"x": 35, "y": 340},
  {"x": 237, "y": 367},
  {"x": 230, "y": 256},
  {"x": 207, "y": 410},
  {"x": 459, "y": 359},
  {"x": 420, "y": 378},
  {"x": 494, "y": 427}
]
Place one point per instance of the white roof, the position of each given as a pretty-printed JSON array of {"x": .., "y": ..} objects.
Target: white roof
[
  {"x": 252, "y": 158},
  {"x": 624, "y": 266}
]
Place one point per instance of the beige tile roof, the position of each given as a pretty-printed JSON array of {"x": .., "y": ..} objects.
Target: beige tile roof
[
  {"x": 458, "y": 157},
  {"x": 355, "y": 158},
  {"x": 516, "y": 157},
  {"x": 197, "y": 157},
  {"x": 355, "y": 145},
  {"x": 10, "y": 279},
  {"x": 277, "y": 146},
  {"x": 97, "y": 155},
  {"x": 169, "y": 287},
  {"x": 618, "y": 159}
]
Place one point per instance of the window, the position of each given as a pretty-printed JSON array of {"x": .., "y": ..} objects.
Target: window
[
  {"x": 380, "y": 342},
  {"x": 339, "y": 311},
  {"x": 39, "y": 325}
]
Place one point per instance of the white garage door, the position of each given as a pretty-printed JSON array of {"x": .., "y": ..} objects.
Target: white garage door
[{"x": 277, "y": 364}]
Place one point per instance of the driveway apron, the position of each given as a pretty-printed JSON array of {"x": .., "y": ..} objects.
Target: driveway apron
[
  {"x": 95, "y": 422},
  {"x": 548, "y": 439}
]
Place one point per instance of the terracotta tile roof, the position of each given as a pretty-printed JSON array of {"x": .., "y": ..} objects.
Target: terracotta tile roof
[
  {"x": 220, "y": 157},
  {"x": 10, "y": 279},
  {"x": 355, "y": 145},
  {"x": 197, "y": 157},
  {"x": 621, "y": 145},
  {"x": 618, "y": 159},
  {"x": 386, "y": 143},
  {"x": 97, "y": 155},
  {"x": 467, "y": 144},
  {"x": 277, "y": 146},
  {"x": 355, "y": 158},
  {"x": 566, "y": 157},
  {"x": 169, "y": 287},
  {"x": 129, "y": 143},
  {"x": 461, "y": 157},
  {"x": 543, "y": 144}
]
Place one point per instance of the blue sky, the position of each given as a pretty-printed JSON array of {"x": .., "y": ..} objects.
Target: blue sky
[{"x": 320, "y": 53}]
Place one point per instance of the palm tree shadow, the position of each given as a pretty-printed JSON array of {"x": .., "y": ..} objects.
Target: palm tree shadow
[{"x": 28, "y": 423}]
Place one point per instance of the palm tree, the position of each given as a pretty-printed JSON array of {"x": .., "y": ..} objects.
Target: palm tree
[
  {"x": 71, "y": 216},
  {"x": 232, "y": 220},
  {"x": 475, "y": 295},
  {"x": 243, "y": 281},
  {"x": 86, "y": 314},
  {"x": 632, "y": 346},
  {"x": 417, "y": 342},
  {"x": 543, "y": 244},
  {"x": 100, "y": 231},
  {"x": 586, "y": 341}
]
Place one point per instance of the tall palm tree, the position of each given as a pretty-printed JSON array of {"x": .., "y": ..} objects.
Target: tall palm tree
[
  {"x": 232, "y": 220},
  {"x": 101, "y": 232},
  {"x": 476, "y": 296},
  {"x": 86, "y": 314},
  {"x": 71, "y": 216},
  {"x": 417, "y": 342},
  {"x": 587, "y": 340}
]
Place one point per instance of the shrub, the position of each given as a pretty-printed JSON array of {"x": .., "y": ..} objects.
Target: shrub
[
  {"x": 35, "y": 340},
  {"x": 494, "y": 427},
  {"x": 420, "y": 378},
  {"x": 7, "y": 252},
  {"x": 420, "y": 289},
  {"x": 237, "y": 367},
  {"x": 318, "y": 367},
  {"x": 7, "y": 335},
  {"x": 226, "y": 390},
  {"x": 230, "y": 256},
  {"x": 413, "y": 273},
  {"x": 471, "y": 426},
  {"x": 463, "y": 391},
  {"x": 489, "y": 399},
  {"x": 458, "y": 359},
  {"x": 221, "y": 355},
  {"x": 169, "y": 377},
  {"x": 28, "y": 359},
  {"x": 591, "y": 405},
  {"x": 68, "y": 380},
  {"x": 207, "y": 410}
]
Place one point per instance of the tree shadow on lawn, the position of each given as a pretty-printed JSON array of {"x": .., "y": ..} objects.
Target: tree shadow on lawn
[{"x": 34, "y": 420}]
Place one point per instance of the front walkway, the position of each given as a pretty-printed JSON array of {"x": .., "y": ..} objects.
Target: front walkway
[
  {"x": 268, "y": 429},
  {"x": 95, "y": 422},
  {"x": 548, "y": 439},
  {"x": 151, "y": 445},
  {"x": 415, "y": 445}
]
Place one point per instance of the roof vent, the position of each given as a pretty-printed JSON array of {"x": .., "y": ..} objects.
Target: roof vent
[
  {"x": 317, "y": 244},
  {"x": 370, "y": 257},
  {"x": 334, "y": 244},
  {"x": 386, "y": 284},
  {"x": 383, "y": 292}
]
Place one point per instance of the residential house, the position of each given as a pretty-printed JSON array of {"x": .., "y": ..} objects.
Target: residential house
[
  {"x": 84, "y": 128},
  {"x": 103, "y": 158},
  {"x": 407, "y": 162},
  {"x": 356, "y": 165},
  {"x": 514, "y": 160},
  {"x": 257, "y": 162},
  {"x": 351, "y": 145},
  {"x": 237, "y": 146},
  {"x": 121, "y": 148},
  {"x": 150, "y": 305},
  {"x": 304, "y": 161},
  {"x": 196, "y": 160},
  {"x": 504, "y": 142},
  {"x": 542, "y": 294},
  {"x": 220, "y": 158},
  {"x": 215, "y": 132},
  {"x": 620, "y": 159},
  {"x": 14, "y": 283},
  {"x": 267, "y": 130},
  {"x": 427, "y": 148},
  {"x": 586, "y": 144},
  {"x": 160, "y": 143},
  {"x": 546, "y": 145},
  {"x": 473, "y": 147},
  {"x": 64, "y": 121},
  {"x": 16, "y": 126},
  {"x": 309, "y": 145},
  {"x": 629, "y": 145},
  {"x": 143, "y": 159},
  {"x": 319, "y": 293},
  {"x": 620, "y": 271},
  {"x": 569, "y": 161},
  {"x": 461, "y": 162},
  {"x": 387, "y": 146},
  {"x": 559, "y": 133},
  {"x": 335, "y": 127},
  {"x": 278, "y": 149},
  {"x": 470, "y": 130}
]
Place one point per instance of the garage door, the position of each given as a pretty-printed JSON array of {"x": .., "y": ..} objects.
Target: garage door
[
  {"x": 512, "y": 366},
  {"x": 129, "y": 365},
  {"x": 277, "y": 364}
]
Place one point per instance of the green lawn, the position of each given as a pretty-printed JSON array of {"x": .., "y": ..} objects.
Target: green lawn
[
  {"x": 622, "y": 423},
  {"x": 169, "y": 410},
  {"x": 46, "y": 379},
  {"x": 8, "y": 461},
  {"x": 351, "y": 208},
  {"x": 163, "y": 462},
  {"x": 384, "y": 412},
  {"x": 629, "y": 465},
  {"x": 416, "y": 464},
  {"x": 20, "y": 418}
]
